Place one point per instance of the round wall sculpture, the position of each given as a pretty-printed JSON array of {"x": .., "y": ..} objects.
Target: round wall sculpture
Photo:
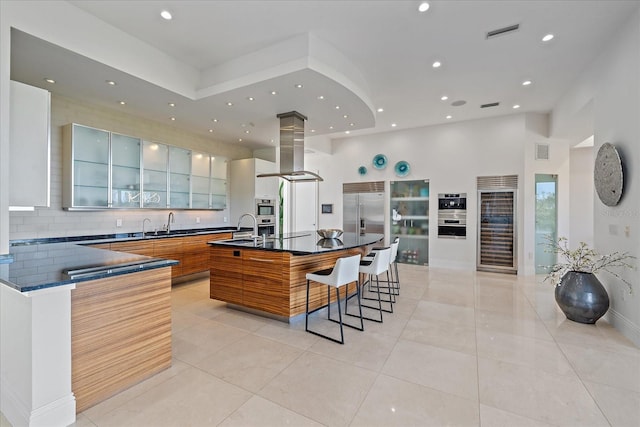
[{"x": 608, "y": 175}]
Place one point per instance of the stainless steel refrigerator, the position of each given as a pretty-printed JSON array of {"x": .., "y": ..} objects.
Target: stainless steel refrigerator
[{"x": 363, "y": 207}]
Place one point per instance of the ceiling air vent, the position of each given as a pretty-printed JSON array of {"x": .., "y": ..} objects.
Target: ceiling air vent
[
  {"x": 542, "y": 151},
  {"x": 502, "y": 31},
  {"x": 492, "y": 104}
]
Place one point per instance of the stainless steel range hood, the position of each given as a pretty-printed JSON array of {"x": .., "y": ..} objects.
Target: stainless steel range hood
[{"x": 292, "y": 150}]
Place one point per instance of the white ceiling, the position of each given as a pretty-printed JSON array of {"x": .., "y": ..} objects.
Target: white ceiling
[{"x": 361, "y": 55}]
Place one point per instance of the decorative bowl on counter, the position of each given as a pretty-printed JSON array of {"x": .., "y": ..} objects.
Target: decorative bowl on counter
[{"x": 330, "y": 233}]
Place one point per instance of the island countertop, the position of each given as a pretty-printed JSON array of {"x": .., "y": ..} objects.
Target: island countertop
[{"x": 304, "y": 242}]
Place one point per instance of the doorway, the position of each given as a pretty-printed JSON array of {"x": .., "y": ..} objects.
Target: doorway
[{"x": 546, "y": 220}]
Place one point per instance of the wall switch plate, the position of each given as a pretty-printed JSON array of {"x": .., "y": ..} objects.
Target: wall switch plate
[
  {"x": 225, "y": 219},
  {"x": 119, "y": 222},
  {"x": 197, "y": 220}
]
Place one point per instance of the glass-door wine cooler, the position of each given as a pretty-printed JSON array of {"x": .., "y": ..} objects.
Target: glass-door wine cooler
[{"x": 497, "y": 239}]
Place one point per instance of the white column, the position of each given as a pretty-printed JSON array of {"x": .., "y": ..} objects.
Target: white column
[{"x": 35, "y": 357}]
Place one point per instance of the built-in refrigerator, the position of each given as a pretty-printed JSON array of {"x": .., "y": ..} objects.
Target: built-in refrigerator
[
  {"x": 497, "y": 231},
  {"x": 363, "y": 207}
]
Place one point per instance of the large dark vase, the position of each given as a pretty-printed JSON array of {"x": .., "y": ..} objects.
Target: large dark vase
[{"x": 582, "y": 297}]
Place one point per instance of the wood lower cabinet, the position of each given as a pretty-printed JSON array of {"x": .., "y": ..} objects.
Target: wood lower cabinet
[
  {"x": 263, "y": 287},
  {"x": 120, "y": 333},
  {"x": 226, "y": 276},
  {"x": 192, "y": 252},
  {"x": 170, "y": 248}
]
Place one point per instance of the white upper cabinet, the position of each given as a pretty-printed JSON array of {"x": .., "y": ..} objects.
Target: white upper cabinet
[
  {"x": 103, "y": 169},
  {"x": 29, "y": 146}
]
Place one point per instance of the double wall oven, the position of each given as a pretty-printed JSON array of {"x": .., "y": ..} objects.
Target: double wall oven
[
  {"x": 452, "y": 215},
  {"x": 266, "y": 216}
]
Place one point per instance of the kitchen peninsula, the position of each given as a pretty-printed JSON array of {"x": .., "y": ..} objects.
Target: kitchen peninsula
[{"x": 269, "y": 276}]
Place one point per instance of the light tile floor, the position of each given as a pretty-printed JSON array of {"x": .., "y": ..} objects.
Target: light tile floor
[{"x": 460, "y": 349}]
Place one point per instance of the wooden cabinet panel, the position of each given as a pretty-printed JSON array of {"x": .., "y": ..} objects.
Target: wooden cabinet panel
[
  {"x": 140, "y": 247},
  {"x": 263, "y": 287},
  {"x": 196, "y": 252},
  {"x": 170, "y": 248},
  {"x": 120, "y": 334},
  {"x": 226, "y": 274}
]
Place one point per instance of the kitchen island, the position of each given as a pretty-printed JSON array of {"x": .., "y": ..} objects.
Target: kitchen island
[{"x": 269, "y": 277}]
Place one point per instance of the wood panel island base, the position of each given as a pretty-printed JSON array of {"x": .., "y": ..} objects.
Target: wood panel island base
[{"x": 270, "y": 278}]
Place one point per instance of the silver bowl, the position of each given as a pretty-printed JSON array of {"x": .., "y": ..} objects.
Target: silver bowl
[{"x": 330, "y": 233}]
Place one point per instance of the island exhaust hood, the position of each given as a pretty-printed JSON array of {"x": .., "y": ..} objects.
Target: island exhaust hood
[{"x": 292, "y": 150}]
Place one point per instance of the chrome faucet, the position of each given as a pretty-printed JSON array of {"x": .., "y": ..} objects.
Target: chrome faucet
[
  {"x": 169, "y": 221},
  {"x": 143, "y": 221},
  {"x": 255, "y": 223}
]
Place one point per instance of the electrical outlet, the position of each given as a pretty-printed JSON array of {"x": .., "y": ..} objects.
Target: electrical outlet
[
  {"x": 627, "y": 230},
  {"x": 225, "y": 219},
  {"x": 197, "y": 220},
  {"x": 119, "y": 222}
]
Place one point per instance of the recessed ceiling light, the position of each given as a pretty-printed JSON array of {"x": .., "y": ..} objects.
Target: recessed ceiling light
[
  {"x": 50, "y": 81},
  {"x": 351, "y": 124},
  {"x": 122, "y": 103},
  {"x": 380, "y": 110},
  {"x": 214, "y": 120},
  {"x": 251, "y": 98},
  {"x": 166, "y": 15},
  {"x": 172, "y": 104},
  {"x": 272, "y": 141},
  {"x": 448, "y": 117},
  {"x": 347, "y": 132},
  {"x": 273, "y": 92},
  {"x": 173, "y": 119},
  {"x": 346, "y": 116},
  {"x": 547, "y": 38},
  {"x": 444, "y": 97},
  {"x": 210, "y": 130},
  {"x": 331, "y": 127},
  {"x": 229, "y": 104},
  {"x": 239, "y": 139},
  {"x": 526, "y": 82},
  {"x": 337, "y": 107},
  {"x": 436, "y": 64},
  {"x": 247, "y": 131},
  {"x": 424, "y": 6},
  {"x": 515, "y": 107},
  {"x": 321, "y": 97},
  {"x": 313, "y": 130},
  {"x": 394, "y": 125},
  {"x": 110, "y": 82},
  {"x": 299, "y": 86}
]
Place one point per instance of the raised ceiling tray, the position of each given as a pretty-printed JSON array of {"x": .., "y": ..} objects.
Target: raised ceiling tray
[{"x": 608, "y": 175}]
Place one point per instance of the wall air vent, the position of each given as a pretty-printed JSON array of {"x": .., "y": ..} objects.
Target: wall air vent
[
  {"x": 492, "y": 104},
  {"x": 542, "y": 151},
  {"x": 502, "y": 31}
]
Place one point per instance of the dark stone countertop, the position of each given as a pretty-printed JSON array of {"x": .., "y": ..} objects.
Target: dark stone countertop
[
  {"x": 49, "y": 262},
  {"x": 304, "y": 243}
]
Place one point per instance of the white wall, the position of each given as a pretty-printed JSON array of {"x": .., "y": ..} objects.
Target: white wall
[
  {"x": 450, "y": 156},
  {"x": 581, "y": 196},
  {"x": 613, "y": 83}
]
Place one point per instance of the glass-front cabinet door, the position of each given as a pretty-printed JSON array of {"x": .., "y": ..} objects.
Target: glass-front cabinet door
[
  {"x": 218, "y": 182},
  {"x": 410, "y": 220},
  {"x": 125, "y": 171},
  {"x": 200, "y": 173},
  {"x": 89, "y": 154},
  {"x": 179, "y": 177},
  {"x": 103, "y": 169},
  {"x": 154, "y": 185}
]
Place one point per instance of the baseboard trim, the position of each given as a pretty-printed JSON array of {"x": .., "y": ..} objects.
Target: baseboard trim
[
  {"x": 60, "y": 412},
  {"x": 625, "y": 326}
]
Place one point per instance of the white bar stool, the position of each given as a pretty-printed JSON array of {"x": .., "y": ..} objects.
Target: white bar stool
[
  {"x": 345, "y": 271},
  {"x": 393, "y": 278},
  {"x": 373, "y": 267}
]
